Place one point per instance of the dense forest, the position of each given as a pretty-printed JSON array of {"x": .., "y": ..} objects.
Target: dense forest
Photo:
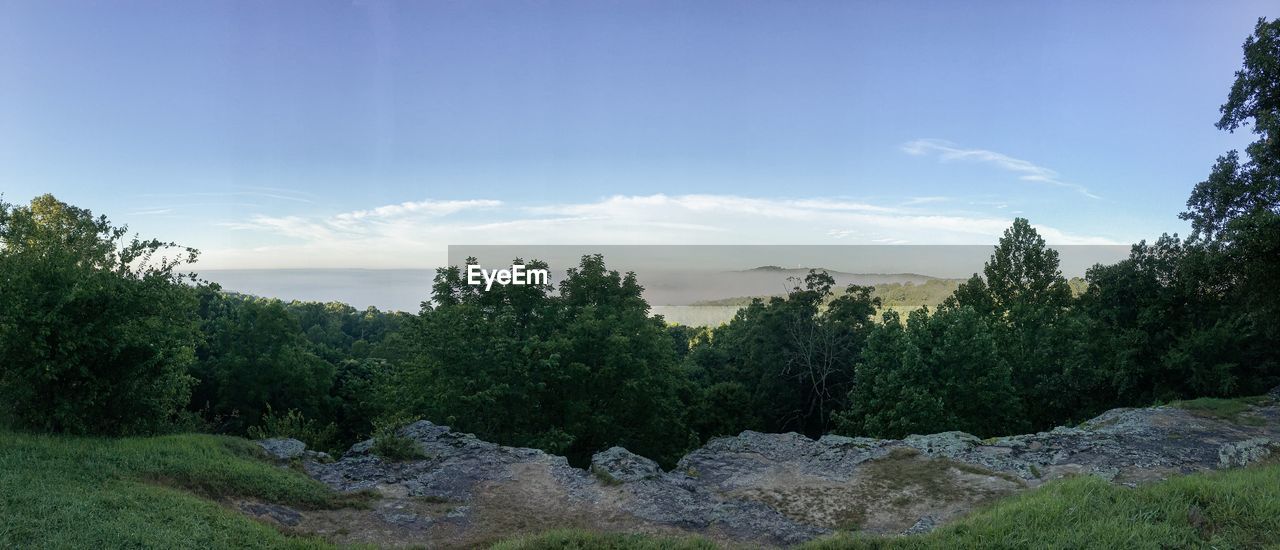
[{"x": 104, "y": 333}]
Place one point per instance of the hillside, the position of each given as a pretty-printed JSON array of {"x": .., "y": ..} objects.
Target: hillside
[
  {"x": 785, "y": 489},
  {"x": 948, "y": 490},
  {"x": 155, "y": 492}
]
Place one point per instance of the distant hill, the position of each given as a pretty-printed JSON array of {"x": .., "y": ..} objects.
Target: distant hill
[
  {"x": 902, "y": 277},
  {"x": 931, "y": 292},
  {"x": 909, "y": 294}
]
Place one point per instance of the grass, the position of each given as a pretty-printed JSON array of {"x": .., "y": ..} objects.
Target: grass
[
  {"x": 146, "y": 492},
  {"x": 605, "y": 477},
  {"x": 1231, "y": 410},
  {"x": 904, "y": 467},
  {"x": 1227, "y": 509},
  {"x": 568, "y": 539}
]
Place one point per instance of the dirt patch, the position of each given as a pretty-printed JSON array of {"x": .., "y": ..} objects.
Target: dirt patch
[
  {"x": 887, "y": 495},
  {"x": 531, "y": 502}
]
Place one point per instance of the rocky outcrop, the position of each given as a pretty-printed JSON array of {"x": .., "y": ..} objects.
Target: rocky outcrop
[
  {"x": 757, "y": 488},
  {"x": 618, "y": 465},
  {"x": 283, "y": 449},
  {"x": 1246, "y": 452}
]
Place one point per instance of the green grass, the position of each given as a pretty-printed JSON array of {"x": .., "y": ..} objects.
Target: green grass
[
  {"x": 588, "y": 540},
  {"x": 1231, "y": 410},
  {"x": 152, "y": 492}
]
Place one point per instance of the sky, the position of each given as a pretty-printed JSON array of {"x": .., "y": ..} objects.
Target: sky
[{"x": 373, "y": 134}]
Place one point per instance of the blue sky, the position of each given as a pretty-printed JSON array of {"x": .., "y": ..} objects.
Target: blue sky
[{"x": 373, "y": 134}]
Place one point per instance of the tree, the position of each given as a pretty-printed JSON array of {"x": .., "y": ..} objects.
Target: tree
[
  {"x": 1027, "y": 303},
  {"x": 571, "y": 373},
  {"x": 938, "y": 373},
  {"x": 1235, "y": 192},
  {"x": 891, "y": 394},
  {"x": 1022, "y": 272},
  {"x": 96, "y": 329},
  {"x": 255, "y": 356},
  {"x": 792, "y": 356},
  {"x": 1235, "y": 213}
]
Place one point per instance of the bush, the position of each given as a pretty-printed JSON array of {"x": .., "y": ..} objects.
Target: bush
[
  {"x": 389, "y": 444},
  {"x": 293, "y": 424},
  {"x": 96, "y": 331}
]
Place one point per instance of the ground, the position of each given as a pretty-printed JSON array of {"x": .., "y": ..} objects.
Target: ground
[{"x": 1156, "y": 477}]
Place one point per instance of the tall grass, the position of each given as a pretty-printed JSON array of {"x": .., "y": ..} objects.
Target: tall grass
[{"x": 153, "y": 492}]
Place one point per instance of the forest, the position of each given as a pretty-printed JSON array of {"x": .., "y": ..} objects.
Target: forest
[{"x": 103, "y": 332}]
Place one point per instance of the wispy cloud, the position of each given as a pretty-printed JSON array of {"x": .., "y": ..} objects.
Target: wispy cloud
[
  {"x": 1027, "y": 170},
  {"x": 924, "y": 200},
  {"x": 416, "y": 234},
  {"x": 424, "y": 208},
  {"x": 151, "y": 212},
  {"x": 258, "y": 192}
]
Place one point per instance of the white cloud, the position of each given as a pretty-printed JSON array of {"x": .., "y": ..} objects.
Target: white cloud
[
  {"x": 948, "y": 151},
  {"x": 416, "y": 234},
  {"x": 424, "y": 208}
]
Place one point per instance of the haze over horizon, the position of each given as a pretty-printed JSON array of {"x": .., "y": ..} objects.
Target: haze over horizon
[{"x": 373, "y": 135}]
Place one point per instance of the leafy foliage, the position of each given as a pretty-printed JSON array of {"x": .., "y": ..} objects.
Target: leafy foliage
[
  {"x": 785, "y": 364},
  {"x": 571, "y": 373},
  {"x": 254, "y": 356},
  {"x": 389, "y": 444},
  {"x": 293, "y": 424},
  {"x": 936, "y": 373},
  {"x": 96, "y": 329}
]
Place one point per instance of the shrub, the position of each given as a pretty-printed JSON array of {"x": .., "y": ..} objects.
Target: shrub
[
  {"x": 294, "y": 424},
  {"x": 389, "y": 444},
  {"x": 96, "y": 331}
]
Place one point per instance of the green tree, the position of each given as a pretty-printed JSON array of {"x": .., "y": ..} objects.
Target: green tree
[
  {"x": 1235, "y": 213},
  {"x": 254, "y": 355},
  {"x": 96, "y": 329},
  {"x": 1236, "y": 192},
  {"x": 572, "y": 373},
  {"x": 1201, "y": 317},
  {"x": 940, "y": 372},
  {"x": 892, "y": 393},
  {"x": 793, "y": 356},
  {"x": 1027, "y": 302}
]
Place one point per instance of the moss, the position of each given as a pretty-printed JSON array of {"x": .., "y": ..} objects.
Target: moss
[
  {"x": 605, "y": 477},
  {"x": 904, "y": 467},
  {"x": 1231, "y": 410}
]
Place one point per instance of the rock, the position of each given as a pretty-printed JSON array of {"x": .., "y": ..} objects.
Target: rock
[
  {"x": 759, "y": 489},
  {"x": 1246, "y": 452},
  {"x": 621, "y": 465},
  {"x": 318, "y": 456},
  {"x": 948, "y": 444},
  {"x": 283, "y": 448},
  {"x": 283, "y": 515},
  {"x": 921, "y": 526}
]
